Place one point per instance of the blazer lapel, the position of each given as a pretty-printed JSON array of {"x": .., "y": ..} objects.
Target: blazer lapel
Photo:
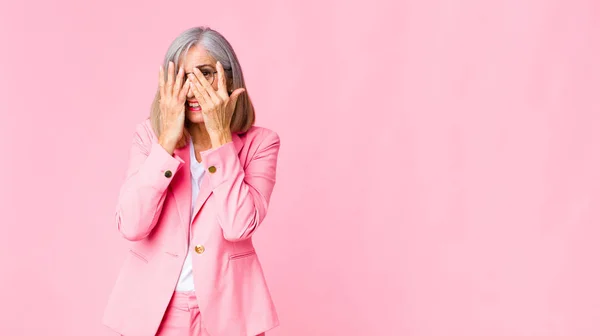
[{"x": 205, "y": 188}]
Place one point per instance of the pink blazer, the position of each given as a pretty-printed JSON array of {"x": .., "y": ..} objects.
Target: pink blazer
[{"x": 153, "y": 212}]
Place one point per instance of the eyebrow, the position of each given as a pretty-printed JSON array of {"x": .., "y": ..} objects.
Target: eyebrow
[{"x": 200, "y": 66}]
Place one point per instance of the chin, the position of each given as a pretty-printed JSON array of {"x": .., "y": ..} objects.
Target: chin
[{"x": 195, "y": 118}]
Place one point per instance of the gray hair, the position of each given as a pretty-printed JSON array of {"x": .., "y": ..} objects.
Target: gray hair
[{"x": 218, "y": 48}]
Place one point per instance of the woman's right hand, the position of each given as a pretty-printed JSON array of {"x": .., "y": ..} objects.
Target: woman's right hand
[{"x": 173, "y": 95}]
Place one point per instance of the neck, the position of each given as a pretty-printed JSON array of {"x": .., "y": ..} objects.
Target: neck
[{"x": 200, "y": 136}]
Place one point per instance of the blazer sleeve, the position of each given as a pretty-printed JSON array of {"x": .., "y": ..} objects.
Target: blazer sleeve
[
  {"x": 242, "y": 194},
  {"x": 142, "y": 194}
]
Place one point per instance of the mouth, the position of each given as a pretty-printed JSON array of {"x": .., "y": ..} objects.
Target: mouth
[{"x": 193, "y": 106}]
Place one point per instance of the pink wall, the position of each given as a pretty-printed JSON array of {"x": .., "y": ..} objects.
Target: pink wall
[{"x": 438, "y": 172}]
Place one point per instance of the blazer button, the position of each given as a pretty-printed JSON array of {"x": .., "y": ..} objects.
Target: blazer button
[
  {"x": 168, "y": 174},
  {"x": 212, "y": 169},
  {"x": 199, "y": 249}
]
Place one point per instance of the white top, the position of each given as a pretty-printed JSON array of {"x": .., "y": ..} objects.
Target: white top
[{"x": 186, "y": 278}]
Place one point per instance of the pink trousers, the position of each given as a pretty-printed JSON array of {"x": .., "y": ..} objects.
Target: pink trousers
[{"x": 182, "y": 317}]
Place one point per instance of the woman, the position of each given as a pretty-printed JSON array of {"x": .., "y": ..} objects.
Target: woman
[{"x": 198, "y": 185}]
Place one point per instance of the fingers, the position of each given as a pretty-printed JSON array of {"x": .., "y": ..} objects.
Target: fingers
[
  {"x": 199, "y": 90},
  {"x": 170, "y": 79},
  {"x": 200, "y": 95},
  {"x": 235, "y": 95},
  {"x": 184, "y": 91},
  {"x": 178, "y": 82},
  {"x": 161, "y": 81},
  {"x": 221, "y": 82},
  {"x": 207, "y": 86}
]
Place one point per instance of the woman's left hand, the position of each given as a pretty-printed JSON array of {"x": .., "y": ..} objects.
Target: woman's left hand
[{"x": 217, "y": 106}]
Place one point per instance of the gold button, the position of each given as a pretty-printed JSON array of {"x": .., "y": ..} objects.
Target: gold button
[
  {"x": 168, "y": 174},
  {"x": 199, "y": 249},
  {"x": 212, "y": 169}
]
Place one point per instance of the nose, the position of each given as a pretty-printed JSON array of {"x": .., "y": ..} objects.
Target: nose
[{"x": 190, "y": 94}]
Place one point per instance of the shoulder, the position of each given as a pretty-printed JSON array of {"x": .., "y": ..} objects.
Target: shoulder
[
  {"x": 146, "y": 127},
  {"x": 258, "y": 139},
  {"x": 260, "y": 135},
  {"x": 144, "y": 133},
  {"x": 258, "y": 144}
]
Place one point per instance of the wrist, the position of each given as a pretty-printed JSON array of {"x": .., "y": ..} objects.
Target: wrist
[
  {"x": 219, "y": 138},
  {"x": 168, "y": 145}
]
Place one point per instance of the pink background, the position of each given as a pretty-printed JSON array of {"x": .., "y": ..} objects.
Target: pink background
[{"x": 438, "y": 172}]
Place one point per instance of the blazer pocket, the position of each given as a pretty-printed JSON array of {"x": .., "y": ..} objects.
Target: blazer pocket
[
  {"x": 138, "y": 255},
  {"x": 242, "y": 255}
]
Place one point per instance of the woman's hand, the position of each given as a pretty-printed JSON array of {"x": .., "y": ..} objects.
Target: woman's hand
[
  {"x": 172, "y": 107},
  {"x": 217, "y": 106}
]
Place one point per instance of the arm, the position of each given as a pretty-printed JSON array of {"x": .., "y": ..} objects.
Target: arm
[
  {"x": 142, "y": 195},
  {"x": 242, "y": 196}
]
